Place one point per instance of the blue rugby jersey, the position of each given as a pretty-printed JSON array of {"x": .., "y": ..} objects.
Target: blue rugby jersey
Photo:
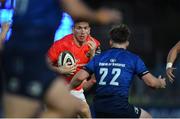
[
  {"x": 34, "y": 26},
  {"x": 38, "y": 12},
  {"x": 114, "y": 70}
]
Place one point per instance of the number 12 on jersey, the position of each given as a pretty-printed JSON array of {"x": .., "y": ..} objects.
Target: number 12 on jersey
[{"x": 115, "y": 73}]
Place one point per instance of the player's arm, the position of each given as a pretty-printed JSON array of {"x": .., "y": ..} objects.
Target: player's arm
[
  {"x": 4, "y": 29},
  {"x": 103, "y": 16},
  {"x": 154, "y": 82},
  {"x": 88, "y": 84},
  {"x": 65, "y": 69},
  {"x": 170, "y": 60},
  {"x": 83, "y": 74},
  {"x": 148, "y": 78},
  {"x": 79, "y": 78},
  {"x": 94, "y": 47}
]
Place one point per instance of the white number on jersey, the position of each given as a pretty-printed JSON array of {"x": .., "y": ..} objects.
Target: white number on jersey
[{"x": 115, "y": 73}]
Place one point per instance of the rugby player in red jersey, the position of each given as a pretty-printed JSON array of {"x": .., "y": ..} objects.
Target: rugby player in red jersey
[{"x": 83, "y": 47}]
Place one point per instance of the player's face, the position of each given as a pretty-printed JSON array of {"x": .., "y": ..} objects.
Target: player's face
[{"x": 81, "y": 30}]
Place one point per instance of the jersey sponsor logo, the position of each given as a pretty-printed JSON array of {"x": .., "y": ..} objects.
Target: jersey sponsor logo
[{"x": 111, "y": 64}]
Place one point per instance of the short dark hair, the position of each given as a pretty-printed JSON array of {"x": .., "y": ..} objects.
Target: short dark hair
[
  {"x": 80, "y": 20},
  {"x": 120, "y": 33}
]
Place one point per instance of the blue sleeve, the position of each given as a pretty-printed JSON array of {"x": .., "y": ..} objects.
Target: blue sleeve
[
  {"x": 140, "y": 68},
  {"x": 90, "y": 67}
]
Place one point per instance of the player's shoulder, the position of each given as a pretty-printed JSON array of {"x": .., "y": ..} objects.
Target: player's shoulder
[{"x": 132, "y": 54}]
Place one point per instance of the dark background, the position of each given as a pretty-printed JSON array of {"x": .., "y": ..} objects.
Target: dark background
[
  {"x": 155, "y": 26},
  {"x": 156, "y": 29}
]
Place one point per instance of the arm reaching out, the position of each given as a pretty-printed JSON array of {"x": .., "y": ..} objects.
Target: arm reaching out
[
  {"x": 170, "y": 60},
  {"x": 78, "y": 78},
  {"x": 103, "y": 15},
  {"x": 154, "y": 82}
]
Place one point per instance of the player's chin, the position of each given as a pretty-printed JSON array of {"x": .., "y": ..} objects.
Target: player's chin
[{"x": 81, "y": 40}]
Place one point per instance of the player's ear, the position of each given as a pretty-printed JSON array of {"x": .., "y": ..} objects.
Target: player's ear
[
  {"x": 89, "y": 31},
  {"x": 110, "y": 42},
  {"x": 127, "y": 43}
]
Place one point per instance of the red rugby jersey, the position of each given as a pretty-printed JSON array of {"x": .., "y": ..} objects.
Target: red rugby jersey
[{"x": 80, "y": 52}]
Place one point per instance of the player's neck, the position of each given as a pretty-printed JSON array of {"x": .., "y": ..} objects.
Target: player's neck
[
  {"x": 115, "y": 45},
  {"x": 79, "y": 44}
]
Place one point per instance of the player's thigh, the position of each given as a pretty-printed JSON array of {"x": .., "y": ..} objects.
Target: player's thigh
[
  {"x": 26, "y": 78},
  {"x": 59, "y": 99},
  {"x": 84, "y": 107},
  {"x": 84, "y": 110},
  {"x": 144, "y": 114},
  {"x": 18, "y": 106}
]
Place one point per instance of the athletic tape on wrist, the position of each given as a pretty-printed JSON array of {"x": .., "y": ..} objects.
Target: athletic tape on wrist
[{"x": 169, "y": 65}]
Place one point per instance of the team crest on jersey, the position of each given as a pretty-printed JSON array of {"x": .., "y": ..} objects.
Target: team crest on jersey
[{"x": 112, "y": 60}]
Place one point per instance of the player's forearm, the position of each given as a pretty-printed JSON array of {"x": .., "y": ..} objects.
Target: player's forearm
[
  {"x": 79, "y": 78},
  {"x": 172, "y": 56},
  {"x": 89, "y": 84},
  {"x": 77, "y": 9},
  {"x": 152, "y": 81},
  {"x": 75, "y": 82},
  {"x": 54, "y": 68},
  {"x": 173, "y": 53},
  {"x": 57, "y": 69},
  {"x": 156, "y": 83}
]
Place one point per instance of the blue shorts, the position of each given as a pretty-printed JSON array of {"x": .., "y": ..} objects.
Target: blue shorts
[
  {"x": 114, "y": 106},
  {"x": 131, "y": 112},
  {"x": 27, "y": 74}
]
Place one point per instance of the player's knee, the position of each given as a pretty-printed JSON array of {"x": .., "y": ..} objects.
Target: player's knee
[
  {"x": 145, "y": 114},
  {"x": 85, "y": 111}
]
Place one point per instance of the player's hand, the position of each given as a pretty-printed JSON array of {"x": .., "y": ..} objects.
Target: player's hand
[
  {"x": 68, "y": 69},
  {"x": 162, "y": 82},
  {"x": 170, "y": 75},
  {"x": 88, "y": 84},
  {"x": 92, "y": 44},
  {"x": 107, "y": 16}
]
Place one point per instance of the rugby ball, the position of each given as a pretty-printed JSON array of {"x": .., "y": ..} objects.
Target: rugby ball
[{"x": 66, "y": 57}]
